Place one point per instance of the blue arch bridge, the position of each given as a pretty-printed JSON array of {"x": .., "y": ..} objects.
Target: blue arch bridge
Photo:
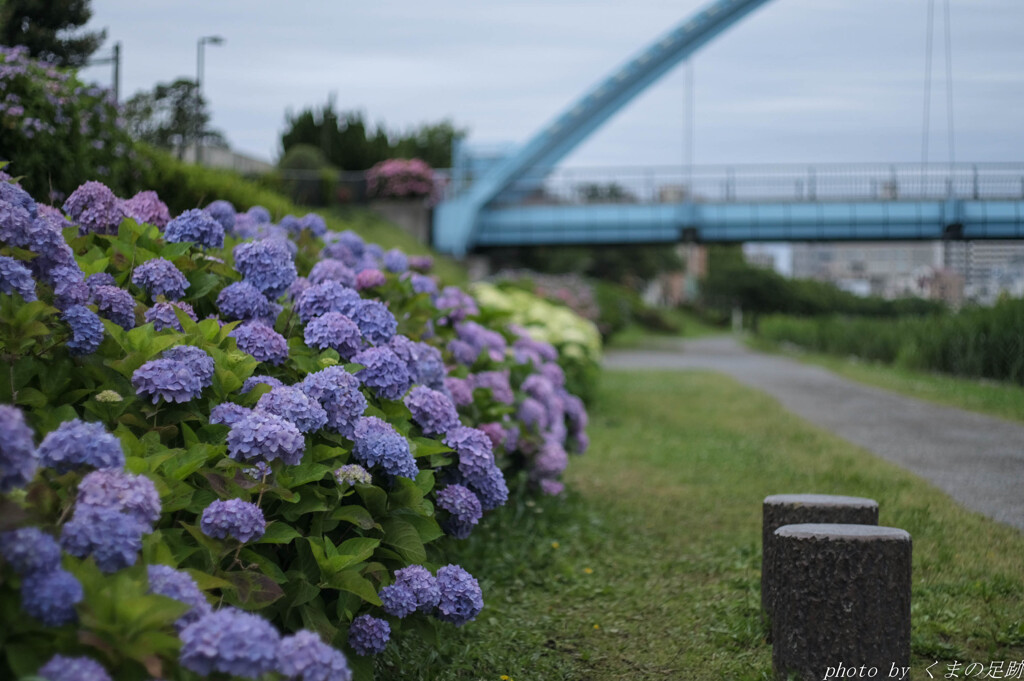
[{"x": 519, "y": 198}]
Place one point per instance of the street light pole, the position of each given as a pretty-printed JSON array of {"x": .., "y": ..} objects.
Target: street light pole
[{"x": 213, "y": 40}]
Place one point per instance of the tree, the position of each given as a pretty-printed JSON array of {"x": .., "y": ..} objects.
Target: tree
[
  {"x": 172, "y": 116},
  {"x": 50, "y": 29}
]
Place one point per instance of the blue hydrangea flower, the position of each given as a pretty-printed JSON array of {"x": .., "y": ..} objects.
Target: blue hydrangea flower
[
  {"x": 290, "y": 224},
  {"x": 460, "y": 389},
  {"x": 334, "y": 330},
  {"x": 76, "y": 443},
  {"x": 464, "y": 509},
  {"x": 234, "y": 518},
  {"x": 261, "y": 341},
  {"x": 383, "y": 372},
  {"x": 314, "y": 223},
  {"x": 461, "y": 600},
  {"x": 254, "y": 381},
  {"x": 456, "y": 303},
  {"x": 100, "y": 279},
  {"x": 327, "y": 296},
  {"x": 368, "y": 635},
  {"x": 375, "y": 321},
  {"x": 86, "y": 330},
  {"x": 554, "y": 373},
  {"x": 421, "y": 584},
  {"x": 16, "y": 278},
  {"x": 258, "y": 472},
  {"x": 51, "y": 596},
  {"x": 367, "y": 262},
  {"x": 223, "y": 212},
  {"x": 147, "y": 208},
  {"x": 432, "y": 410},
  {"x": 482, "y": 339},
  {"x": 242, "y": 300},
  {"x": 166, "y": 581},
  {"x": 395, "y": 261},
  {"x": 267, "y": 265},
  {"x": 61, "y": 668},
  {"x": 477, "y": 466},
  {"x": 95, "y": 208},
  {"x": 18, "y": 458},
  {"x": 421, "y": 283},
  {"x": 134, "y": 495},
  {"x": 46, "y": 240},
  {"x": 370, "y": 278},
  {"x": 330, "y": 269},
  {"x": 424, "y": 362},
  {"x": 289, "y": 402},
  {"x": 352, "y": 474},
  {"x": 195, "y": 359},
  {"x": 377, "y": 443},
  {"x": 259, "y": 214},
  {"x": 297, "y": 287},
  {"x": 29, "y": 550},
  {"x": 228, "y": 413},
  {"x": 167, "y": 379},
  {"x": 112, "y": 538},
  {"x": 349, "y": 239},
  {"x": 303, "y": 656},
  {"x": 533, "y": 414},
  {"x": 196, "y": 226},
  {"x": 163, "y": 316},
  {"x": 497, "y": 382},
  {"x": 115, "y": 304},
  {"x": 261, "y": 436},
  {"x": 338, "y": 393},
  {"x": 463, "y": 352},
  {"x": 232, "y": 642},
  {"x": 17, "y": 212},
  {"x": 159, "y": 277},
  {"x": 397, "y": 600}
]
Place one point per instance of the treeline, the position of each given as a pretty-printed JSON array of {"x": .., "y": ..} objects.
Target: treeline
[{"x": 977, "y": 342}]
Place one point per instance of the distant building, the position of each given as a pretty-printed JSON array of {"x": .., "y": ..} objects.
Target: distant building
[{"x": 988, "y": 268}]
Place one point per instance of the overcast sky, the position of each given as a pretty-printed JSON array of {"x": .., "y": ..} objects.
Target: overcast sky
[{"x": 796, "y": 81}]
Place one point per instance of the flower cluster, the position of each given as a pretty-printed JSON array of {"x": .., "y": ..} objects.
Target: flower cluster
[
  {"x": 159, "y": 277},
  {"x": 432, "y": 410},
  {"x": 146, "y": 207},
  {"x": 264, "y": 436},
  {"x": 233, "y": 518},
  {"x": 267, "y": 265},
  {"x": 77, "y": 443},
  {"x": 196, "y": 226},
  {"x": 377, "y": 443},
  {"x": 18, "y": 458},
  {"x": 48, "y": 592},
  {"x": 400, "y": 179}
]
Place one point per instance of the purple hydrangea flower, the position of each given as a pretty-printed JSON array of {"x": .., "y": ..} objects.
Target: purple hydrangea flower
[
  {"x": 424, "y": 362},
  {"x": 377, "y": 443},
  {"x": 551, "y": 487},
  {"x": 159, "y": 277},
  {"x": 374, "y": 251},
  {"x": 551, "y": 460},
  {"x": 367, "y": 262},
  {"x": 395, "y": 261},
  {"x": 196, "y": 226},
  {"x": 460, "y": 389},
  {"x": 95, "y": 208},
  {"x": 304, "y": 656},
  {"x": 100, "y": 279},
  {"x": 529, "y": 351},
  {"x": 457, "y": 303},
  {"x": 18, "y": 458},
  {"x": 254, "y": 381},
  {"x": 242, "y": 300},
  {"x": 195, "y": 359},
  {"x": 234, "y": 518},
  {"x": 533, "y": 414},
  {"x": 481, "y": 339},
  {"x": 267, "y": 265},
  {"x": 258, "y": 472},
  {"x": 29, "y": 550},
  {"x": 334, "y": 330},
  {"x": 421, "y": 263},
  {"x": 421, "y": 283},
  {"x": 432, "y": 410},
  {"x": 338, "y": 393},
  {"x": 262, "y": 436},
  {"x": 259, "y": 214},
  {"x": 290, "y": 224},
  {"x": 86, "y": 330},
  {"x": 230, "y": 641},
  {"x": 463, "y": 352},
  {"x": 147, "y": 208},
  {"x": 350, "y": 240},
  {"x": 554, "y": 374},
  {"x": 228, "y": 413},
  {"x": 327, "y": 296},
  {"x": 383, "y": 372},
  {"x": 464, "y": 509},
  {"x": 167, "y": 379},
  {"x": 370, "y": 278},
  {"x": 223, "y": 212},
  {"x": 397, "y": 600},
  {"x": 352, "y": 474},
  {"x": 423, "y": 586},
  {"x": 289, "y": 402},
  {"x": 112, "y": 538},
  {"x": 314, "y": 223},
  {"x": 477, "y": 466},
  {"x": 375, "y": 321},
  {"x": 261, "y": 341},
  {"x": 368, "y": 635},
  {"x": 166, "y": 581},
  {"x": 297, "y": 287},
  {"x": 163, "y": 316},
  {"x": 497, "y": 382},
  {"x": 69, "y": 287},
  {"x": 461, "y": 599},
  {"x": 51, "y": 596},
  {"x": 17, "y": 212},
  {"x": 495, "y": 431},
  {"x": 62, "y": 668},
  {"x": 76, "y": 443},
  {"x": 135, "y": 495},
  {"x": 16, "y": 278},
  {"x": 330, "y": 269},
  {"x": 115, "y": 304}
]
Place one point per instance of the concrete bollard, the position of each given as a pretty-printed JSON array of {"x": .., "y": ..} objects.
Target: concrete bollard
[
  {"x": 842, "y": 601},
  {"x": 792, "y": 509}
]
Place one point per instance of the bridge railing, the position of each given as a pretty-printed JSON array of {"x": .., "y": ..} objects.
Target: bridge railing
[{"x": 706, "y": 184}]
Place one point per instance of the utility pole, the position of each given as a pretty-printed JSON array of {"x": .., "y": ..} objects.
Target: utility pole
[
  {"x": 213, "y": 40},
  {"x": 115, "y": 59}
]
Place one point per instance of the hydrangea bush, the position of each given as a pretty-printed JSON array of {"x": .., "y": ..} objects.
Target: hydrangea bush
[
  {"x": 400, "y": 178},
  {"x": 212, "y": 464}
]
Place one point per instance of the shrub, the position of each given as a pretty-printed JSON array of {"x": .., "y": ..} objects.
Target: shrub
[{"x": 400, "y": 178}]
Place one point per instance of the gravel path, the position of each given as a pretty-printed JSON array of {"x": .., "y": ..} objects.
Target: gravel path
[{"x": 978, "y": 460}]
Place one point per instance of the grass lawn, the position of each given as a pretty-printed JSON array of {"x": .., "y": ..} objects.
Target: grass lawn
[
  {"x": 650, "y": 567},
  {"x": 987, "y": 397},
  {"x": 636, "y": 336}
]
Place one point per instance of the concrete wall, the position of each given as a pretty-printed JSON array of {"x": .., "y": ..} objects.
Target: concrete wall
[{"x": 415, "y": 217}]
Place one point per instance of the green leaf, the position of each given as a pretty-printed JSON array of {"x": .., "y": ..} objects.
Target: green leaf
[
  {"x": 357, "y": 515},
  {"x": 405, "y": 494},
  {"x": 254, "y": 590},
  {"x": 423, "y": 446},
  {"x": 170, "y": 251},
  {"x": 300, "y": 591},
  {"x": 279, "y": 533},
  {"x": 427, "y": 528},
  {"x": 404, "y": 538},
  {"x": 190, "y": 460},
  {"x": 374, "y": 498},
  {"x": 352, "y": 582},
  {"x": 294, "y": 476}
]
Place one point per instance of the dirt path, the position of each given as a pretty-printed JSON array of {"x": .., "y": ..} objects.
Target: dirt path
[{"x": 978, "y": 460}]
